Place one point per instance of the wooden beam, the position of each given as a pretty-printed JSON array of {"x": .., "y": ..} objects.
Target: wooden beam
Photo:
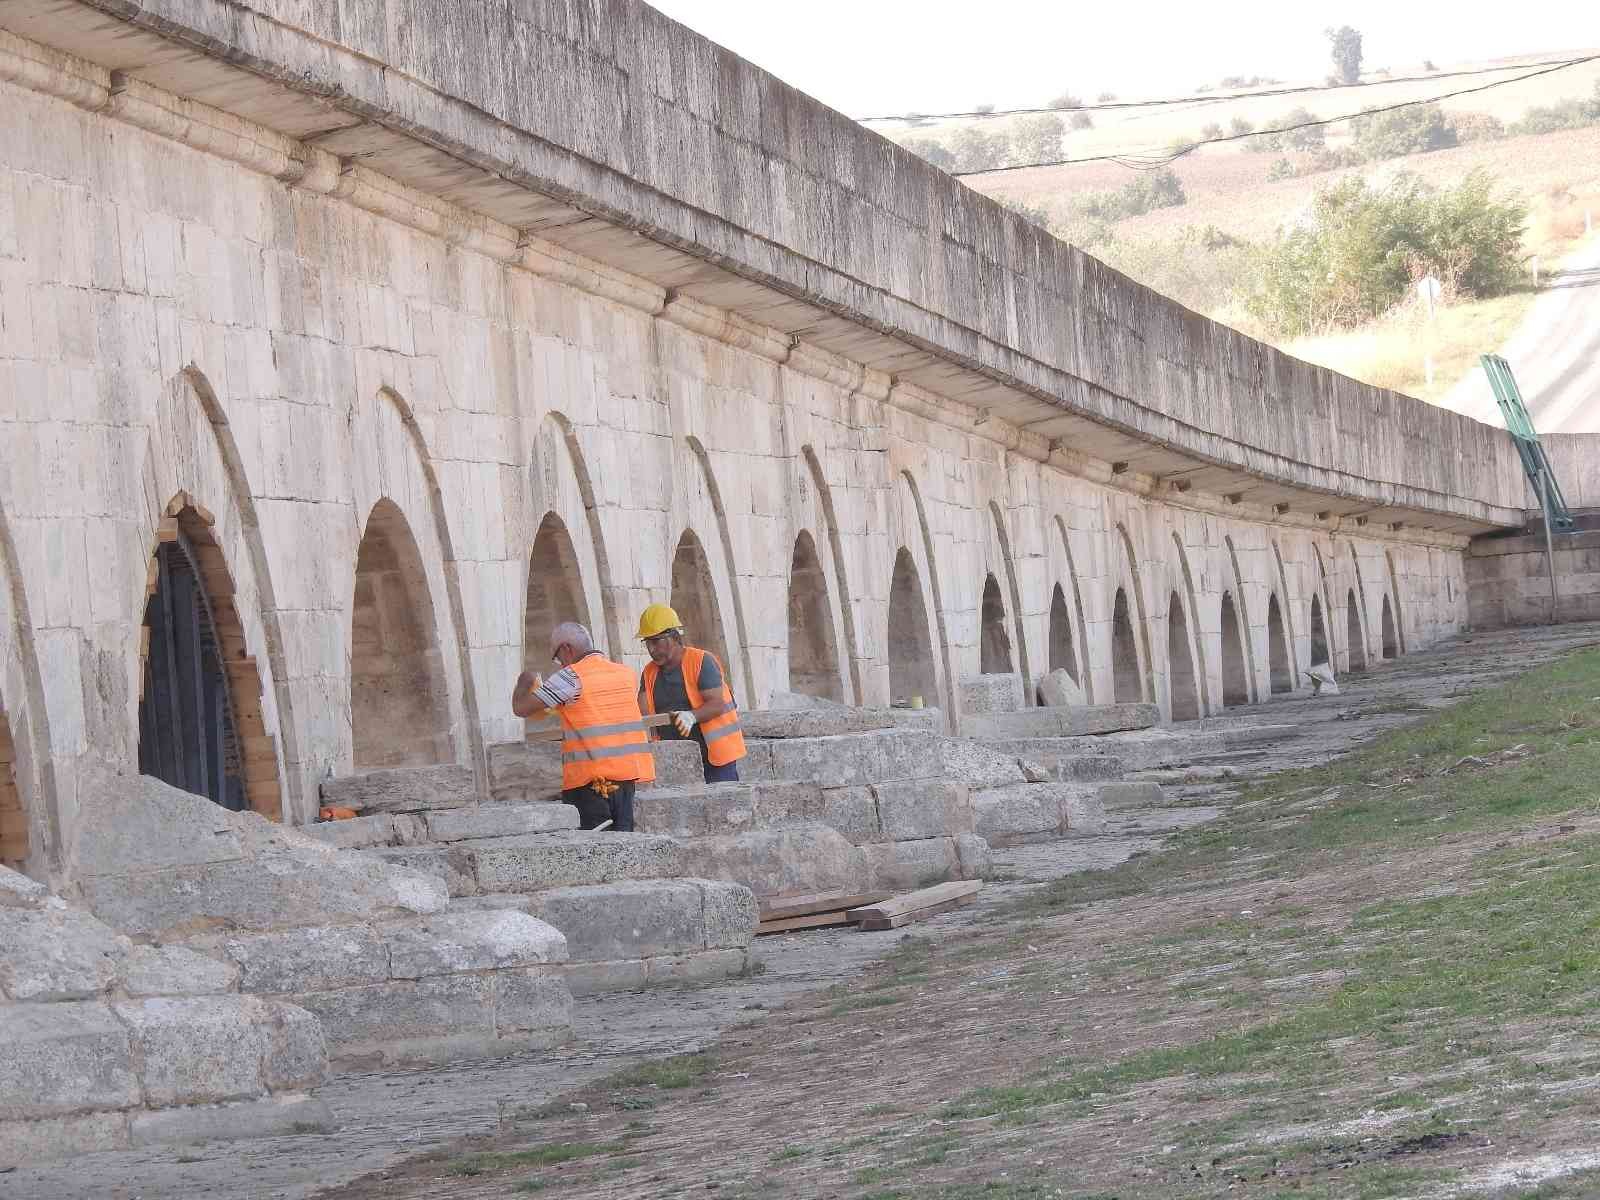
[
  {"x": 920, "y": 914},
  {"x": 814, "y": 921},
  {"x": 778, "y": 907},
  {"x": 913, "y": 901}
]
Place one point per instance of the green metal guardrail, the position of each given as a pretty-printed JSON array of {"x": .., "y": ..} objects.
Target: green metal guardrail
[{"x": 1520, "y": 425}]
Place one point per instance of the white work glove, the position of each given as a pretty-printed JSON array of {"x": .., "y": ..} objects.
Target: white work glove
[{"x": 684, "y": 721}]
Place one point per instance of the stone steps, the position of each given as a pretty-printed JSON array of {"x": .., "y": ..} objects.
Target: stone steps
[{"x": 1027, "y": 812}]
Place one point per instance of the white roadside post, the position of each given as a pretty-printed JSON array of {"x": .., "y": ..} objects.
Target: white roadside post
[{"x": 1430, "y": 289}]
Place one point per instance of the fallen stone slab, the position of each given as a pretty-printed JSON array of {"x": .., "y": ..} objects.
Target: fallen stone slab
[
  {"x": 812, "y": 722},
  {"x": 57, "y": 953},
  {"x": 978, "y": 764},
  {"x": 632, "y": 975},
  {"x": 309, "y": 959},
  {"x": 704, "y": 810},
  {"x": 639, "y": 919},
  {"x": 1037, "y": 811},
  {"x": 470, "y": 940},
  {"x": 1132, "y": 794},
  {"x": 270, "y": 1116},
  {"x": 498, "y": 820},
  {"x": 1060, "y": 722},
  {"x": 63, "y": 1059},
  {"x": 857, "y": 759},
  {"x": 1058, "y": 689},
  {"x": 1066, "y": 761},
  {"x": 569, "y": 859},
  {"x": 994, "y": 693},
  {"x": 454, "y": 866},
  {"x": 910, "y": 810},
  {"x": 906, "y": 866},
  {"x": 355, "y": 833},
  {"x": 403, "y": 789},
  {"x": 798, "y": 859}
]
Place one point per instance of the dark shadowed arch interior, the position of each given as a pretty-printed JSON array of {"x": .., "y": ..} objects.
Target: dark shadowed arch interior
[
  {"x": 994, "y": 644},
  {"x": 694, "y": 597},
  {"x": 1124, "y": 654},
  {"x": 13, "y": 821},
  {"x": 1235, "y": 674},
  {"x": 911, "y": 665},
  {"x": 1319, "y": 633},
  {"x": 813, "y": 653},
  {"x": 1180, "y": 664},
  {"x": 1358, "y": 644},
  {"x": 555, "y": 592},
  {"x": 1391, "y": 641},
  {"x": 1278, "y": 649},
  {"x": 1063, "y": 655},
  {"x": 399, "y": 706}
]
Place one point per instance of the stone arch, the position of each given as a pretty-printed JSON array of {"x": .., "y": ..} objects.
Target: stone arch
[
  {"x": 1286, "y": 617},
  {"x": 726, "y": 580},
  {"x": 1252, "y": 690},
  {"x": 1235, "y": 671},
  {"x": 1319, "y": 633},
  {"x": 1063, "y": 654},
  {"x": 1279, "y": 665},
  {"x": 1078, "y": 629},
  {"x": 202, "y": 723},
  {"x": 1391, "y": 640},
  {"x": 918, "y": 542},
  {"x": 1360, "y": 595},
  {"x": 994, "y": 642},
  {"x": 1139, "y": 634},
  {"x": 1192, "y": 625},
  {"x": 395, "y": 465},
  {"x": 694, "y": 597},
  {"x": 556, "y": 591},
  {"x": 913, "y": 669},
  {"x": 813, "y": 653},
  {"x": 1356, "y": 635},
  {"x": 839, "y": 593},
  {"x": 561, "y": 488},
  {"x": 1127, "y": 678},
  {"x": 1019, "y": 653},
  {"x": 399, "y": 690},
  {"x": 1394, "y": 592},
  {"x": 1181, "y": 675},
  {"x": 30, "y": 817}
]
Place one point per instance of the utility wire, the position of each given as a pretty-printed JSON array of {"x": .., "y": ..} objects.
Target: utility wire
[
  {"x": 1222, "y": 97},
  {"x": 1155, "y": 160}
]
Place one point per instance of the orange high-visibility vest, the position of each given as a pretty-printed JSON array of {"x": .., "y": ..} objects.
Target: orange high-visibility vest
[
  {"x": 603, "y": 735},
  {"x": 724, "y": 742}
]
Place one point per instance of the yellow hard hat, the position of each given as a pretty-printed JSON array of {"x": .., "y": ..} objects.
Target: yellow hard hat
[{"x": 656, "y": 620}]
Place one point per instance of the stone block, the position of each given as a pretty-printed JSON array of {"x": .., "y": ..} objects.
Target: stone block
[
  {"x": 911, "y": 810},
  {"x": 853, "y": 811},
  {"x": 907, "y": 866},
  {"x": 547, "y": 860},
  {"x": 29, "y": 1143},
  {"x": 297, "y": 1047},
  {"x": 310, "y": 959},
  {"x": 783, "y": 802},
  {"x": 138, "y": 823},
  {"x": 982, "y": 694},
  {"x": 1064, "y": 760},
  {"x": 470, "y": 941},
  {"x": 200, "y": 1050},
  {"x": 594, "y": 978},
  {"x": 1022, "y": 812},
  {"x": 277, "y": 889},
  {"x": 811, "y": 722},
  {"x": 1131, "y": 794},
  {"x": 930, "y": 720},
  {"x": 731, "y": 914},
  {"x": 678, "y": 763},
  {"x": 1060, "y": 722},
  {"x": 532, "y": 1004},
  {"x": 532, "y": 767},
  {"x": 455, "y": 866},
  {"x": 403, "y": 789},
  {"x": 708, "y": 966},
  {"x": 625, "y": 920},
  {"x": 59, "y": 1059},
  {"x": 795, "y": 860},
  {"x": 57, "y": 953},
  {"x": 176, "y": 971},
  {"x": 440, "y": 1019},
  {"x": 974, "y": 856},
  {"x": 857, "y": 759},
  {"x": 499, "y": 820},
  {"x": 1083, "y": 810},
  {"x": 978, "y": 765},
  {"x": 1057, "y": 689},
  {"x": 695, "y": 810},
  {"x": 357, "y": 833},
  {"x": 270, "y": 1116},
  {"x": 18, "y": 891}
]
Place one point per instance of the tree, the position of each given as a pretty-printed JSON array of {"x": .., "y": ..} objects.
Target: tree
[
  {"x": 1037, "y": 139},
  {"x": 1066, "y": 101},
  {"x": 1105, "y": 97},
  {"x": 1210, "y": 131},
  {"x": 975, "y": 150},
  {"x": 1346, "y": 46},
  {"x": 1080, "y": 120},
  {"x": 931, "y": 151},
  {"x": 1414, "y": 129},
  {"x": 984, "y": 110},
  {"x": 1307, "y": 136},
  {"x": 1239, "y": 126},
  {"x": 1281, "y": 168}
]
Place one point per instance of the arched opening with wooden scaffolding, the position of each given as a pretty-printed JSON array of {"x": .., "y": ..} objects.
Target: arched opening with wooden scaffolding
[{"x": 813, "y": 652}]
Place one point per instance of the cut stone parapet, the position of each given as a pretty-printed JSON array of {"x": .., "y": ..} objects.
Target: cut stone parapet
[
  {"x": 402, "y": 790},
  {"x": 1060, "y": 722}
]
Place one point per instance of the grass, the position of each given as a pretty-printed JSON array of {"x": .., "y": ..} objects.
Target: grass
[
  {"x": 679, "y": 1071},
  {"x": 538, "y": 1156}
]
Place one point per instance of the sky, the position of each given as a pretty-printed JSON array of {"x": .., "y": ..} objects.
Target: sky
[{"x": 876, "y": 57}]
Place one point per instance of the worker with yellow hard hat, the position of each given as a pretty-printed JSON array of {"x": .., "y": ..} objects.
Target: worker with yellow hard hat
[{"x": 689, "y": 683}]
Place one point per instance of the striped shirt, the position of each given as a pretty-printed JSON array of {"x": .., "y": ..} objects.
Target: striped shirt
[{"x": 561, "y": 688}]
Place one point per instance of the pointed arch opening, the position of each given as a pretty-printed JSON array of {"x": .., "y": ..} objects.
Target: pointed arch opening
[
  {"x": 555, "y": 592},
  {"x": 1358, "y": 641},
  {"x": 1063, "y": 651},
  {"x": 1319, "y": 633},
  {"x": 1180, "y": 664},
  {"x": 1391, "y": 641},
  {"x": 13, "y": 820},
  {"x": 201, "y": 723},
  {"x": 1235, "y": 672},
  {"x": 399, "y": 699},
  {"x": 813, "y": 653},
  {"x": 1281, "y": 673},
  {"x": 994, "y": 643},
  {"x": 912, "y": 672},
  {"x": 1126, "y": 676},
  {"x": 694, "y": 598}
]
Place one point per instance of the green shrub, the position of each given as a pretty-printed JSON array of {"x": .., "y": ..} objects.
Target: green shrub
[
  {"x": 931, "y": 150},
  {"x": 1066, "y": 101},
  {"x": 1210, "y": 131},
  {"x": 1415, "y": 129},
  {"x": 1281, "y": 168},
  {"x": 1477, "y": 127},
  {"x": 1145, "y": 192},
  {"x": 1361, "y": 248},
  {"x": 1080, "y": 120},
  {"x": 976, "y": 150},
  {"x": 1240, "y": 126},
  {"x": 1567, "y": 114},
  {"x": 1308, "y": 137}
]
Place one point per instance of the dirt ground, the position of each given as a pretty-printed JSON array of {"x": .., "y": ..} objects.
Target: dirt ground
[{"x": 1017, "y": 1048}]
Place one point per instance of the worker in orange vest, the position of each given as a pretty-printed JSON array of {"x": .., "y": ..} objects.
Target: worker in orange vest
[
  {"x": 605, "y": 751},
  {"x": 689, "y": 683}
]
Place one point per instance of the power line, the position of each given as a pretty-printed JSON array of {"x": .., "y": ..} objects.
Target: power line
[
  {"x": 1208, "y": 98},
  {"x": 1154, "y": 161}
]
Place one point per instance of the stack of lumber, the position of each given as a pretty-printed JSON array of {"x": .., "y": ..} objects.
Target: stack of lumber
[{"x": 879, "y": 911}]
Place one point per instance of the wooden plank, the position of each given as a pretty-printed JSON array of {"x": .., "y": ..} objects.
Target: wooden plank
[
  {"x": 877, "y": 923},
  {"x": 167, "y": 530},
  {"x": 201, "y": 511},
  {"x": 152, "y": 578},
  {"x": 814, "y": 921},
  {"x": 913, "y": 901},
  {"x": 778, "y": 907}
]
